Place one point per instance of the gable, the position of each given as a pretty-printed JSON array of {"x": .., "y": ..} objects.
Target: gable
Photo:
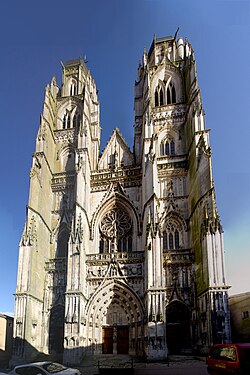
[{"x": 116, "y": 153}]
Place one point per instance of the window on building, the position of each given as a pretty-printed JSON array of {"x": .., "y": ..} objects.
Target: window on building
[
  {"x": 171, "y": 235},
  {"x": 167, "y": 147},
  {"x": 172, "y": 148},
  {"x": 165, "y": 241},
  {"x": 171, "y": 94},
  {"x": 156, "y": 99},
  {"x": 68, "y": 122},
  {"x": 115, "y": 231},
  {"x": 73, "y": 90},
  {"x": 64, "y": 121},
  {"x": 245, "y": 314},
  {"x": 159, "y": 96},
  {"x": 76, "y": 120},
  {"x": 176, "y": 239}
]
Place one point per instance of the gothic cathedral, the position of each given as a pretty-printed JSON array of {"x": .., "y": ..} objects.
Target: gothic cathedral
[{"x": 122, "y": 251}]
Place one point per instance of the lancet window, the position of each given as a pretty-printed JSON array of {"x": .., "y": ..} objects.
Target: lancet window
[
  {"x": 172, "y": 235},
  {"x": 171, "y": 94},
  {"x": 73, "y": 89},
  {"x": 159, "y": 96},
  {"x": 69, "y": 122},
  {"x": 115, "y": 231},
  {"x": 76, "y": 120},
  {"x": 66, "y": 121},
  {"x": 167, "y": 147}
]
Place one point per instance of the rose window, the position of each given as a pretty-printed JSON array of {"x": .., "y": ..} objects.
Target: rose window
[{"x": 115, "y": 231}]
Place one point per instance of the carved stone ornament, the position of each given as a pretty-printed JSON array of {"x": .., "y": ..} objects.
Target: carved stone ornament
[
  {"x": 116, "y": 223},
  {"x": 29, "y": 233}
]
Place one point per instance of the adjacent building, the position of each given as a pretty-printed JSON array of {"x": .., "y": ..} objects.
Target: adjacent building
[
  {"x": 240, "y": 317},
  {"x": 122, "y": 251},
  {"x": 6, "y": 339}
]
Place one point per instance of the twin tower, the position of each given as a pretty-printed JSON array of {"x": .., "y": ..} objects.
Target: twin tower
[{"x": 122, "y": 251}]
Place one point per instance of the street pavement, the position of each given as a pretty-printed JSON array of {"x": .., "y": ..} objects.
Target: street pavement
[{"x": 177, "y": 365}]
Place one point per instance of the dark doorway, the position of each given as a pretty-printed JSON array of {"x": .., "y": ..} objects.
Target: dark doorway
[
  {"x": 178, "y": 327},
  {"x": 122, "y": 340},
  {"x": 107, "y": 340},
  {"x": 56, "y": 329}
]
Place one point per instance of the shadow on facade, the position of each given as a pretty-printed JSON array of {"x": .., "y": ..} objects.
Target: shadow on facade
[
  {"x": 4, "y": 360},
  {"x": 87, "y": 357},
  {"x": 58, "y": 265},
  {"x": 30, "y": 354}
]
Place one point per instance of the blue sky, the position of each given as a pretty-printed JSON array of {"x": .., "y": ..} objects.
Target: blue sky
[{"x": 36, "y": 35}]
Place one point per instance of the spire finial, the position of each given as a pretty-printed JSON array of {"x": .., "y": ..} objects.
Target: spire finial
[{"x": 175, "y": 35}]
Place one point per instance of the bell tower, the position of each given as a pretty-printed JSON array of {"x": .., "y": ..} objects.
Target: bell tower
[
  {"x": 51, "y": 257},
  {"x": 172, "y": 144}
]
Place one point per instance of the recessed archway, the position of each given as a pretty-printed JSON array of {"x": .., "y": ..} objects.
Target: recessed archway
[
  {"x": 178, "y": 335},
  {"x": 115, "y": 318}
]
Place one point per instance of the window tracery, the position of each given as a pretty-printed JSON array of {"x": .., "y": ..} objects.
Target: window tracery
[
  {"x": 165, "y": 95},
  {"x": 115, "y": 231},
  {"x": 172, "y": 235},
  {"x": 69, "y": 122},
  {"x": 167, "y": 147}
]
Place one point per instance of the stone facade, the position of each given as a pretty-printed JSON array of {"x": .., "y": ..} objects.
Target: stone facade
[{"x": 123, "y": 252}]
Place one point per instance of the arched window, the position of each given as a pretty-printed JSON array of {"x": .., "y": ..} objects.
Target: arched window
[
  {"x": 172, "y": 148},
  {"x": 176, "y": 239},
  {"x": 172, "y": 235},
  {"x": 68, "y": 122},
  {"x": 170, "y": 241},
  {"x": 156, "y": 99},
  {"x": 167, "y": 147},
  {"x": 168, "y": 96},
  {"x": 64, "y": 121},
  {"x": 76, "y": 120},
  {"x": 162, "y": 149},
  {"x": 62, "y": 242},
  {"x": 165, "y": 241},
  {"x": 101, "y": 246},
  {"x": 159, "y": 96},
  {"x": 115, "y": 231},
  {"x": 73, "y": 90},
  {"x": 171, "y": 94}
]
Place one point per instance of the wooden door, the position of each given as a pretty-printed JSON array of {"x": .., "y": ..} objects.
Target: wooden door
[
  {"x": 122, "y": 340},
  {"x": 107, "y": 340}
]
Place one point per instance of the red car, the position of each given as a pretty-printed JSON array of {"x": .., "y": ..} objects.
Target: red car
[{"x": 229, "y": 359}]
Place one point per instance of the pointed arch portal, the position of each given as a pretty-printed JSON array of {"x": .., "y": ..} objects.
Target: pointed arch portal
[
  {"x": 178, "y": 327},
  {"x": 117, "y": 315}
]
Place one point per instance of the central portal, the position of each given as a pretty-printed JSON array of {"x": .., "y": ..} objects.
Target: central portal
[{"x": 115, "y": 340}]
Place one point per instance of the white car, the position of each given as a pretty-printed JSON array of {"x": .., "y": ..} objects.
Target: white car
[{"x": 44, "y": 368}]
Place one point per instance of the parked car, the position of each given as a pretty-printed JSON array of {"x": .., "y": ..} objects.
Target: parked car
[
  {"x": 44, "y": 368},
  {"x": 229, "y": 359}
]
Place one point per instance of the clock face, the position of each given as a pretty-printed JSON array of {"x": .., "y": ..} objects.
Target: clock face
[{"x": 116, "y": 223}]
